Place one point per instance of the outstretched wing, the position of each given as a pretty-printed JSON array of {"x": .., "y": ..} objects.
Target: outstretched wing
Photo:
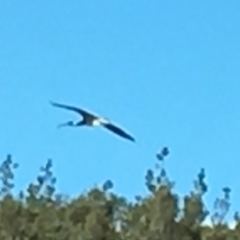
[
  {"x": 118, "y": 131},
  {"x": 71, "y": 108}
]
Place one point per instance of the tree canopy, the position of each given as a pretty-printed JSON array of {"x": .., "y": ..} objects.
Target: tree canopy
[{"x": 39, "y": 212}]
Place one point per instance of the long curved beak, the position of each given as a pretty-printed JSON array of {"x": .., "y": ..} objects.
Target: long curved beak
[{"x": 69, "y": 124}]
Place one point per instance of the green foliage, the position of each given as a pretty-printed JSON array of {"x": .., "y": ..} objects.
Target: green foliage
[{"x": 41, "y": 213}]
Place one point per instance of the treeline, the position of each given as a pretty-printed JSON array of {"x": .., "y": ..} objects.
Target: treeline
[{"x": 40, "y": 213}]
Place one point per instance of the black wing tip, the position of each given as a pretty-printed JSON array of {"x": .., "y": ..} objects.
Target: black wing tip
[
  {"x": 119, "y": 131},
  {"x": 132, "y": 139},
  {"x": 53, "y": 103}
]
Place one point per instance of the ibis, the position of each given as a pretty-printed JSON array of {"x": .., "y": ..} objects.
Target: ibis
[{"x": 89, "y": 119}]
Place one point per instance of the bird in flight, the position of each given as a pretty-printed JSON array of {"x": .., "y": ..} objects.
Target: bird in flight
[{"x": 89, "y": 119}]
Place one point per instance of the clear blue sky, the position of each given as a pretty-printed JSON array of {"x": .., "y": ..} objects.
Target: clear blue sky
[{"x": 167, "y": 71}]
